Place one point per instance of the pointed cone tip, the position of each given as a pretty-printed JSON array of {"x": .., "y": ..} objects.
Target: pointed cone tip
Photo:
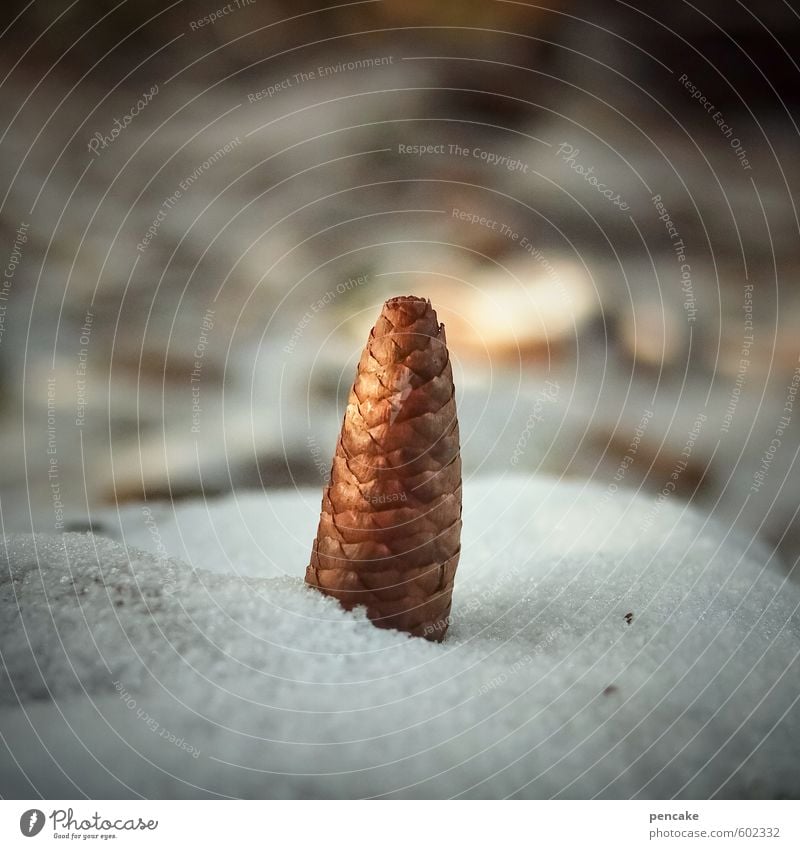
[{"x": 408, "y": 309}]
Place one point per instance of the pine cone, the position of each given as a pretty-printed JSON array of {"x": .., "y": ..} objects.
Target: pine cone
[{"x": 390, "y": 526}]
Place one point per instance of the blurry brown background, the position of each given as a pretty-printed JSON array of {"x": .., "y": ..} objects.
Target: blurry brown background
[{"x": 218, "y": 352}]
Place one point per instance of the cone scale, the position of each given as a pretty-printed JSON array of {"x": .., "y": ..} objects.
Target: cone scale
[{"x": 390, "y": 525}]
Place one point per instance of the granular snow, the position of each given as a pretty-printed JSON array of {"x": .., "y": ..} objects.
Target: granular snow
[{"x": 597, "y": 648}]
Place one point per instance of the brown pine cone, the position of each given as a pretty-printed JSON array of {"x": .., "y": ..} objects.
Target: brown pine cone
[{"x": 390, "y": 526}]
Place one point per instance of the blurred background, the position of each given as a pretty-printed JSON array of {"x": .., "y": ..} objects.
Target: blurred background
[{"x": 204, "y": 206}]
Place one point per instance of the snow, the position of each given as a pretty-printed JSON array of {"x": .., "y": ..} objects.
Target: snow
[{"x": 179, "y": 654}]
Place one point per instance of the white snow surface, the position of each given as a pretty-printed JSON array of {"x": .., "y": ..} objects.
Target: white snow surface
[{"x": 186, "y": 658}]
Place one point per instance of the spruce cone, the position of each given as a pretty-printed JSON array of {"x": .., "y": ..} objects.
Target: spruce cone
[{"x": 390, "y": 526}]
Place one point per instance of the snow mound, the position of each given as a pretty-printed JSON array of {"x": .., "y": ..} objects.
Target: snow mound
[{"x": 600, "y": 646}]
